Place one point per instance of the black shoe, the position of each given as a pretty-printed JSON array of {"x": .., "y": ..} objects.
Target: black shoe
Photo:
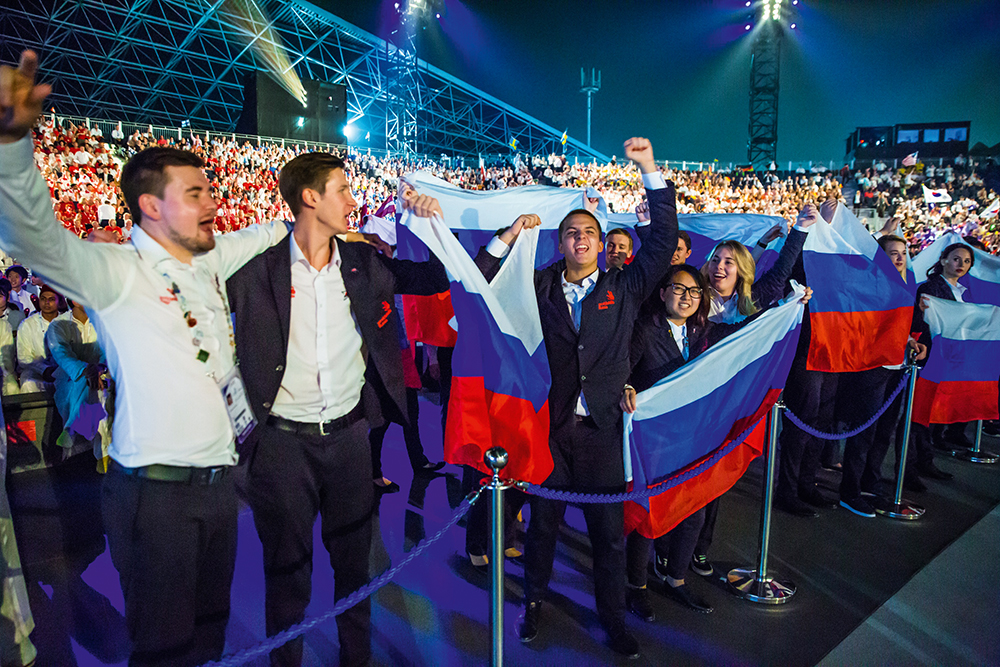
[
  {"x": 816, "y": 499},
  {"x": 391, "y": 487},
  {"x": 621, "y": 641},
  {"x": 527, "y": 624},
  {"x": 932, "y": 471},
  {"x": 859, "y": 506},
  {"x": 701, "y": 565},
  {"x": 795, "y": 507},
  {"x": 429, "y": 468},
  {"x": 958, "y": 438},
  {"x": 658, "y": 568},
  {"x": 683, "y": 595},
  {"x": 914, "y": 483},
  {"x": 637, "y": 601}
]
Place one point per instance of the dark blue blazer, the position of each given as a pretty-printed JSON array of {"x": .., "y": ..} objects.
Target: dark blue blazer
[{"x": 596, "y": 359}]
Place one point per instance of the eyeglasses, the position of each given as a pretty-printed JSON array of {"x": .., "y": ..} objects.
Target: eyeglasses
[{"x": 680, "y": 290}]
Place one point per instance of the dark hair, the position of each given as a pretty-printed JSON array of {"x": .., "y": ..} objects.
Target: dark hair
[
  {"x": 618, "y": 231},
  {"x": 937, "y": 269},
  {"x": 682, "y": 235},
  {"x": 5, "y": 288},
  {"x": 884, "y": 241},
  {"x": 143, "y": 174},
  {"x": 974, "y": 242},
  {"x": 19, "y": 270},
  {"x": 700, "y": 317},
  {"x": 309, "y": 170},
  {"x": 580, "y": 211}
]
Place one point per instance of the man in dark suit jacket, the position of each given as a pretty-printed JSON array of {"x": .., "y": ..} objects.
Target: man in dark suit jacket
[
  {"x": 587, "y": 317},
  {"x": 319, "y": 351}
]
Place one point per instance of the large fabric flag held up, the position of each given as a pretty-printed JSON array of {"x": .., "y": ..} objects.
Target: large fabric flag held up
[
  {"x": 983, "y": 279},
  {"x": 500, "y": 371},
  {"x": 861, "y": 309},
  {"x": 959, "y": 382},
  {"x": 688, "y": 423}
]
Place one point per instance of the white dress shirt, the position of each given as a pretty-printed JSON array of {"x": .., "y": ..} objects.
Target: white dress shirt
[
  {"x": 169, "y": 409},
  {"x": 325, "y": 369},
  {"x": 680, "y": 334},
  {"x": 957, "y": 290}
]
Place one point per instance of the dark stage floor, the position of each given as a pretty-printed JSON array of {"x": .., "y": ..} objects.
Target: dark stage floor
[{"x": 435, "y": 612}]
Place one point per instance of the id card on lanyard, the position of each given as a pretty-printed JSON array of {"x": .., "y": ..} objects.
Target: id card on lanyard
[{"x": 231, "y": 387}]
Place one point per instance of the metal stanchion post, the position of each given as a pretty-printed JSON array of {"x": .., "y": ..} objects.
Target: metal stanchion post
[
  {"x": 898, "y": 508},
  {"x": 976, "y": 455},
  {"x": 754, "y": 583},
  {"x": 496, "y": 459}
]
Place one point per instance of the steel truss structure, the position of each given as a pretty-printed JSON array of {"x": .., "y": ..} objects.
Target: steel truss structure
[
  {"x": 167, "y": 61},
  {"x": 762, "y": 147}
]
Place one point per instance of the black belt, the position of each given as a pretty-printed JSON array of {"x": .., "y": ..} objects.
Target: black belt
[
  {"x": 178, "y": 474},
  {"x": 317, "y": 428}
]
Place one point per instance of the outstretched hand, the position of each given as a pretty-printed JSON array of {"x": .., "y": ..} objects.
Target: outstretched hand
[
  {"x": 20, "y": 98},
  {"x": 772, "y": 234},
  {"x": 640, "y": 151},
  {"x": 890, "y": 226},
  {"x": 590, "y": 204}
]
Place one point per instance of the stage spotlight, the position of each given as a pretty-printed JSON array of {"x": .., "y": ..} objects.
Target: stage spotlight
[
  {"x": 747, "y": 27},
  {"x": 792, "y": 26},
  {"x": 438, "y": 15},
  {"x": 301, "y": 121},
  {"x": 748, "y": 3}
]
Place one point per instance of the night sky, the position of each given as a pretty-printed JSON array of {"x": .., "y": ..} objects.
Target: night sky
[{"x": 678, "y": 71}]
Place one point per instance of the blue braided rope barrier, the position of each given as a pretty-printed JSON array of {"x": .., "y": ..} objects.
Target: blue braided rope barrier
[
  {"x": 849, "y": 434},
  {"x": 346, "y": 603},
  {"x": 639, "y": 494}
]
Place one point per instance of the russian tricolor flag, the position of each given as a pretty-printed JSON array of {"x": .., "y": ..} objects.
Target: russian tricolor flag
[
  {"x": 982, "y": 280},
  {"x": 861, "y": 310},
  {"x": 500, "y": 372},
  {"x": 709, "y": 229},
  {"x": 686, "y": 424},
  {"x": 959, "y": 382}
]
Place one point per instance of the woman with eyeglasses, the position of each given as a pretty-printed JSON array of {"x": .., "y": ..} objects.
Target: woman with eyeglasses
[{"x": 662, "y": 342}]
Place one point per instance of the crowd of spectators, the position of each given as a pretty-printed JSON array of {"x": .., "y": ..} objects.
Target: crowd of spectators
[{"x": 82, "y": 168}]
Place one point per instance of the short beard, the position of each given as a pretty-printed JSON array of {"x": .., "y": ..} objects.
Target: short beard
[{"x": 191, "y": 243}]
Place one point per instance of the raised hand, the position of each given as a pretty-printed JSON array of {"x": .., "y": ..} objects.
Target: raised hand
[
  {"x": 828, "y": 208},
  {"x": 590, "y": 203},
  {"x": 890, "y": 226},
  {"x": 422, "y": 206},
  {"x": 642, "y": 211},
  {"x": 772, "y": 234},
  {"x": 808, "y": 216},
  {"x": 525, "y": 221},
  {"x": 640, "y": 151},
  {"x": 20, "y": 98}
]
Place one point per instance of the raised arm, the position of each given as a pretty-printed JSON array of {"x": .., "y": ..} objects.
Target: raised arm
[
  {"x": 771, "y": 285},
  {"x": 660, "y": 242},
  {"x": 92, "y": 274}
]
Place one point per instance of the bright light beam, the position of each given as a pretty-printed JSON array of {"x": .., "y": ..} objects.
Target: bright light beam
[{"x": 255, "y": 30}]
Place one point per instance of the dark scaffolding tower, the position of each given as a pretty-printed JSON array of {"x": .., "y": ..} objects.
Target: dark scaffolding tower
[{"x": 762, "y": 147}]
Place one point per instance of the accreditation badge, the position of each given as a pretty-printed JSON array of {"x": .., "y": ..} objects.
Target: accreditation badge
[{"x": 234, "y": 394}]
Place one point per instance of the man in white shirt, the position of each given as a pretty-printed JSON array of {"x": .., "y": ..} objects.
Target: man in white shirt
[
  {"x": 37, "y": 368},
  {"x": 160, "y": 311},
  {"x": 319, "y": 345}
]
